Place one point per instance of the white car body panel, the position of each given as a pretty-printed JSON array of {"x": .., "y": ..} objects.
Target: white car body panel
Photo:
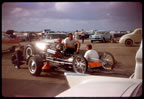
[
  {"x": 98, "y": 86},
  {"x": 138, "y": 67},
  {"x": 135, "y": 36}
]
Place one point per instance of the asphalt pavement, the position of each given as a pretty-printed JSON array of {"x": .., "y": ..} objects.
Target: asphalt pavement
[
  {"x": 20, "y": 83},
  {"x": 31, "y": 88}
]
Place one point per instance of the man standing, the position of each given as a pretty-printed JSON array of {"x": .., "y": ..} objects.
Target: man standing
[
  {"x": 82, "y": 36},
  {"x": 71, "y": 45},
  {"x": 76, "y": 35}
]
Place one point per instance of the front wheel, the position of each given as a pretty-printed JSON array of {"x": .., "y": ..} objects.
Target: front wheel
[
  {"x": 35, "y": 64},
  {"x": 108, "y": 61},
  {"x": 29, "y": 51},
  {"x": 80, "y": 64},
  {"x": 91, "y": 41}
]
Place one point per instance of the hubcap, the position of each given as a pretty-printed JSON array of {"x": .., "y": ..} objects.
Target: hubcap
[
  {"x": 129, "y": 42},
  {"x": 32, "y": 66}
]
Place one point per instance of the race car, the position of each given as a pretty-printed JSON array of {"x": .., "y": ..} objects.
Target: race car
[
  {"x": 79, "y": 64},
  {"x": 37, "y": 54}
]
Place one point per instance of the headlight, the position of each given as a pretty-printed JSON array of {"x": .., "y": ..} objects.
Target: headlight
[{"x": 41, "y": 46}]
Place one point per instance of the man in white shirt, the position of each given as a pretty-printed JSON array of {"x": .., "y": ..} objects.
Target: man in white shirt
[
  {"x": 91, "y": 55},
  {"x": 71, "y": 45},
  {"x": 76, "y": 35}
]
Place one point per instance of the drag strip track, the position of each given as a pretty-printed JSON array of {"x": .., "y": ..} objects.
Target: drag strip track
[{"x": 19, "y": 82}]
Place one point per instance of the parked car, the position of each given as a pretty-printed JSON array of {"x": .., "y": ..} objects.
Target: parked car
[
  {"x": 21, "y": 36},
  {"x": 100, "y": 36},
  {"x": 9, "y": 43},
  {"x": 116, "y": 36},
  {"x": 56, "y": 35},
  {"x": 82, "y": 85},
  {"x": 132, "y": 38},
  {"x": 32, "y": 36}
]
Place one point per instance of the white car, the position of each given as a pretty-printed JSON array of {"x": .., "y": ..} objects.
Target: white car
[
  {"x": 131, "y": 38},
  {"x": 84, "y": 85}
]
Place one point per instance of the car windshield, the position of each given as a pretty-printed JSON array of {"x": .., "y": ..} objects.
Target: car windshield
[{"x": 55, "y": 36}]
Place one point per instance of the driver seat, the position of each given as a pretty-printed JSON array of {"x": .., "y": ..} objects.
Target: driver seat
[{"x": 94, "y": 63}]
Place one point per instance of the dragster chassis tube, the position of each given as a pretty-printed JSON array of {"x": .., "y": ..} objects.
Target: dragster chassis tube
[{"x": 58, "y": 60}]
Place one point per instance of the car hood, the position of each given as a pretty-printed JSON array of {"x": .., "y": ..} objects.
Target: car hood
[
  {"x": 122, "y": 38},
  {"x": 127, "y": 35},
  {"x": 49, "y": 40},
  {"x": 99, "y": 86}
]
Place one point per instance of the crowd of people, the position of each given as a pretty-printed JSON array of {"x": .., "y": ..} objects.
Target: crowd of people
[{"x": 78, "y": 35}]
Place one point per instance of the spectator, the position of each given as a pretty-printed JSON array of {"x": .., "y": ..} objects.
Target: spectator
[
  {"x": 29, "y": 37},
  {"x": 82, "y": 36},
  {"x": 76, "y": 35}
]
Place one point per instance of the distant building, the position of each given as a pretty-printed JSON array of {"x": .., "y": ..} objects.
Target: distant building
[{"x": 46, "y": 31}]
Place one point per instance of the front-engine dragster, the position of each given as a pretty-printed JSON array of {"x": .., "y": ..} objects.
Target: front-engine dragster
[{"x": 37, "y": 54}]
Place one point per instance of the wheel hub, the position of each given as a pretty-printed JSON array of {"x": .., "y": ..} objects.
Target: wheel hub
[{"x": 32, "y": 66}]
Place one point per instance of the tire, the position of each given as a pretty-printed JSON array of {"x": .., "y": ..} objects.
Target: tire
[
  {"x": 80, "y": 64},
  {"x": 108, "y": 60},
  {"x": 29, "y": 51},
  {"x": 35, "y": 64},
  {"x": 91, "y": 41},
  {"x": 128, "y": 42}
]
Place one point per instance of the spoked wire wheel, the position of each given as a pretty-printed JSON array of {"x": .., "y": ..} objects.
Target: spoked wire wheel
[
  {"x": 80, "y": 64},
  {"x": 108, "y": 61}
]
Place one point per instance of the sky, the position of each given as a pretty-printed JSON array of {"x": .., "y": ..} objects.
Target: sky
[{"x": 71, "y": 16}]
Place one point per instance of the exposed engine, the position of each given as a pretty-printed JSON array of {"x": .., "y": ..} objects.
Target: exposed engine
[{"x": 55, "y": 50}]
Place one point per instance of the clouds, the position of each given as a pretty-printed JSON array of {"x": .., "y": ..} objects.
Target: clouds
[
  {"x": 74, "y": 10},
  {"x": 16, "y": 10},
  {"x": 20, "y": 12},
  {"x": 63, "y": 6},
  {"x": 71, "y": 15}
]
